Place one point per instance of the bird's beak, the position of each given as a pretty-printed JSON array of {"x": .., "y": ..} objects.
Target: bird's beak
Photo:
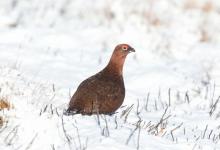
[{"x": 131, "y": 49}]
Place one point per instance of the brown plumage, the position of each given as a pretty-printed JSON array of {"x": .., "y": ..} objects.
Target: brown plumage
[{"x": 104, "y": 92}]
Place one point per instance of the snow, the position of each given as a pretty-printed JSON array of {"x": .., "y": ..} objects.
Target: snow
[{"x": 47, "y": 48}]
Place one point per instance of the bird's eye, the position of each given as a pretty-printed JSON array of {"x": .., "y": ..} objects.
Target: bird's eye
[{"x": 124, "y": 48}]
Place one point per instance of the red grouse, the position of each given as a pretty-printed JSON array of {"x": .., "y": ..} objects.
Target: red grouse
[{"x": 104, "y": 92}]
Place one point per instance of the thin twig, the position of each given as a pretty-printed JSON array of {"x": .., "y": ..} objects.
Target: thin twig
[
  {"x": 138, "y": 139},
  {"x": 213, "y": 107},
  {"x": 138, "y": 105},
  {"x": 146, "y": 105},
  {"x": 52, "y": 146},
  {"x": 210, "y": 134},
  {"x": 138, "y": 111},
  {"x": 148, "y": 124},
  {"x": 5, "y": 126},
  {"x": 213, "y": 94},
  {"x": 187, "y": 97},
  {"x": 11, "y": 134},
  {"x": 116, "y": 122},
  {"x": 31, "y": 142},
  {"x": 45, "y": 108},
  {"x": 169, "y": 92},
  {"x": 132, "y": 133},
  {"x": 205, "y": 131},
  {"x": 51, "y": 109},
  {"x": 155, "y": 104},
  {"x": 64, "y": 131},
  {"x": 106, "y": 132},
  {"x": 78, "y": 136},
  {"x": 171, "y": 132},
  {"x": 126, "y": 113},
  {"x": 162, "y": 118}
]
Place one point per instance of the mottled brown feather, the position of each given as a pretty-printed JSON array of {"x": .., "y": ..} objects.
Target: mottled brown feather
[{"x": 103, "y": 92}]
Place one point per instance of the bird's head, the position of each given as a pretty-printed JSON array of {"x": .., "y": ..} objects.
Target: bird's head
[
  {"x": 118, "y": 58},
  {"x": 122, "y": 50}
]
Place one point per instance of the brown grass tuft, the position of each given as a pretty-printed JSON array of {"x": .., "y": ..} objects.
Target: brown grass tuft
[
  {"x": 4, "y": 104},
  {"x": 152, "y": 19},
  {"x": 1, "y": 121},
  {"x": 191, "y": 4},
  {"x": 204, "y": 36},
  {"x": 207, "y": 7}
]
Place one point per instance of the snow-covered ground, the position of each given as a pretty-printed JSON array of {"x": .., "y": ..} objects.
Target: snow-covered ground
[{"x": 172, "y": 82}]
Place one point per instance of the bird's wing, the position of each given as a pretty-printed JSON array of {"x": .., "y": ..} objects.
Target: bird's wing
[
  {"x": 85, "y": 89},
  {"x": 110, "y": 90},
  {"x": 97, "y": 89}
]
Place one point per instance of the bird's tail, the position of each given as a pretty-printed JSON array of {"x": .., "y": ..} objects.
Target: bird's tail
[{"x": 69, "y": 112}]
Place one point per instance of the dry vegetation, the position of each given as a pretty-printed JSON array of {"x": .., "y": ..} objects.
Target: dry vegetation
[
  {"x": 206, "y": 8},
  {"x": 1, "y": 121},
  {"x": 5, "y": 104}
]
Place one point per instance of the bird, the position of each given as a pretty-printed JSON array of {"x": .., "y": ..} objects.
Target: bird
[{"x": 104, "y": 92}]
